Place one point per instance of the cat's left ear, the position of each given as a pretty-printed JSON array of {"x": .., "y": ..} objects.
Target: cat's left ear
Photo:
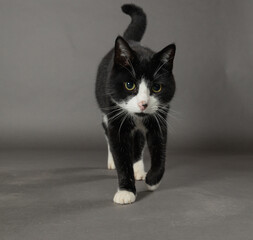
[
  {"x": 166, "y": 56},
  {"x": 123, "y": 54}
]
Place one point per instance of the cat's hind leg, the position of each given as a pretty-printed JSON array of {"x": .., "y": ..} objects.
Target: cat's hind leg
[
  {"x": 110, "y": 160},
  {"x": 138, "y": 164}
]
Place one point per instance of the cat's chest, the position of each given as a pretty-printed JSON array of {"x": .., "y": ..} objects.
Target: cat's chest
[{"x": 139, "y": 126}]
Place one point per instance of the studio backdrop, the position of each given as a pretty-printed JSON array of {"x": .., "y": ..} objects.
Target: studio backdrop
[{"x": 50, "y": 50}]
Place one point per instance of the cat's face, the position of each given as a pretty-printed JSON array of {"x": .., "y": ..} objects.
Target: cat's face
[{"x": 141, "y": 82}]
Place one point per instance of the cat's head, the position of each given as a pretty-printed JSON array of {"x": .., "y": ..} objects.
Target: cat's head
[{"x": 141, "y": 81}]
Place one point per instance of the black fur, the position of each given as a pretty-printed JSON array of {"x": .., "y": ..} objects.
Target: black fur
[
  {"x": 129, "y": 61},
  {"x": 137, "y": 27}
]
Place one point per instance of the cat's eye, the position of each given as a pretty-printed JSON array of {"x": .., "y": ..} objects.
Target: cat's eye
[
  {"x": 130, "y": 86},
  {"x": 156, "y": 88}
]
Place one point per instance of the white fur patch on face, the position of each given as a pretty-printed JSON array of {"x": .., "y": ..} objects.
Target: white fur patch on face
[
  {"x": 143, "y": 96},
  {"x": 153, "y": 104},
  {"x": 143, "y": 93},
  {"x": 124, "y": 197}
]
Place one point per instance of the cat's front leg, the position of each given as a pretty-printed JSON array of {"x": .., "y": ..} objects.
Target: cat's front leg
[
  {"x": 138, "y": 164},
  {"x": 157, "y": 146},
  {"x": 121, "y": 147}
]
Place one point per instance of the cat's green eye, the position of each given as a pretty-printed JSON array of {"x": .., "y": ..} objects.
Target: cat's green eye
[
  {"x": 130, "y": 86},
  {"x": 157, "y": 88}
]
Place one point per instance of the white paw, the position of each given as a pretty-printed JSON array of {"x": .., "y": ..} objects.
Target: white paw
[
  {"x": 139, "y": 173},
  {"x": 153, "y": 187},
  {"x": 110, "y": 164},
  {"x": 124, "y": 197},
  {"x": 110, "y": 161}
]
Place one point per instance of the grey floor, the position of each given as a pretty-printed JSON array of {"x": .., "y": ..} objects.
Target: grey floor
[{"x": 68, "y": 195}]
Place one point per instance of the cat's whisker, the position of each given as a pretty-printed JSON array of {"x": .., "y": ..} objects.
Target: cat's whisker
[
  {"x": 174, "y": 117},
  {"x": 110, "y": 108},
  {"x": 113, "y": 112},
  {"x": 122, "y": 124},
  {"x": 171, "y": 109},
  {"x": 167, "y": 113},
  {"x": 162, "y": 118},
  {"x": 113, "y": 118},
  {"x": 170, "y": 112},
  {"x": 158, "y": 123},
  {"x": 175, "y": 112},
  {"x": 166, "y": 122}
]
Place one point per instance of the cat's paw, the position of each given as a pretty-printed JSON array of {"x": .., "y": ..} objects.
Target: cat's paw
[
  {"x": 124, "y": 197},
  {"x": 139, "y": 173},
  {"x": 153, "y": 178},
  {"x": 110, "y": 164},
  {"x": 153, "y": 187}
]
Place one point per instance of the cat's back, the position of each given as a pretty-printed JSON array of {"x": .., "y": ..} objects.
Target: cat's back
[{"x": 103, "y": 72}]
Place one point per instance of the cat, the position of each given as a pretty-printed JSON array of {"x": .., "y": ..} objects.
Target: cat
[{"x": 134, "y": 87}]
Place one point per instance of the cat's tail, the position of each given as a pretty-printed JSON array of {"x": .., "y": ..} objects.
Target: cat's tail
[{"x": 136, "y": 28}]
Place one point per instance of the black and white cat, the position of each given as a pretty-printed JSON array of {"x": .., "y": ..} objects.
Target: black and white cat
[{"x": 134, "y": 87}]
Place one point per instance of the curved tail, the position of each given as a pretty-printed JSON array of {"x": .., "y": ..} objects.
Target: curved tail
[{"x": 136, "y": 28}]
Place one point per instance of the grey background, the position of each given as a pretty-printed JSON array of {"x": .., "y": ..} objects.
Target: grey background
[
  {"x": 50, "y": 49},
  {"x": 49, "y": 52}
]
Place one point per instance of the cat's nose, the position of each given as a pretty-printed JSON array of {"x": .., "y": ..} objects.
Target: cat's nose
[{"x": 142, "y": 105}]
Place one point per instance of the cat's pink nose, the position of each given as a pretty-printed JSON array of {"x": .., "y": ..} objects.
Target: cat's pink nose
[{"x": 142, "y": 105}]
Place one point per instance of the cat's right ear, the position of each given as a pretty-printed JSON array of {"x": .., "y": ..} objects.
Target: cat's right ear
[
  {"x": 165, "y": 57},
  {"x": 123, "y": 54}
]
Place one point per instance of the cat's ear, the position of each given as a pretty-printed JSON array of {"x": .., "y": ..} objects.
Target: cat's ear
[
  {"x": 123, "y": 54},
  {"x": 166, "y": 56}
]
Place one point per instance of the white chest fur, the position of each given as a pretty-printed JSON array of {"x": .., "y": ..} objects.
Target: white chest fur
[{"x": 139, "y": 125}]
